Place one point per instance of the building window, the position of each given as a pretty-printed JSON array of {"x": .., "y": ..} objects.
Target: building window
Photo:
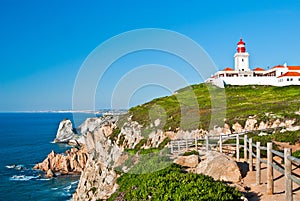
[
  {"x": 299, "y": 79},
  {"x": 291, "y": 79},
  {"x": 287, "y": 79},
  {"x": 242, "y": 60}
]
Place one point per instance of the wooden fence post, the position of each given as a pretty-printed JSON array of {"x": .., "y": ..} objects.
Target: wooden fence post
[
  {"x": 221, "y": 148},
  {"x": 270, "y": 184},
  {"x": 258, "y": 164},
  {"x": 196, "y": 143},
  {"x": 207, "y": 143},
  {"x": 237, "y": 147},
  {"x": 245, "y": 148},
  {"x": 172, "y": 147},
  {"x": 250, "y": 155},
  {"x": 287, "y": 172}
]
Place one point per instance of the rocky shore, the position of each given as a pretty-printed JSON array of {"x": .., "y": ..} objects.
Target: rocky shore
[{"x": 99, "y": 153}]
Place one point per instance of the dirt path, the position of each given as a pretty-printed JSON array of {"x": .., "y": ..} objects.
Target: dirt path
[{"x": 258, "y": 192}]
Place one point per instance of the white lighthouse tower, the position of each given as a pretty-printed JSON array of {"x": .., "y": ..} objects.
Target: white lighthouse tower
[{"x": 241, "y": 58}]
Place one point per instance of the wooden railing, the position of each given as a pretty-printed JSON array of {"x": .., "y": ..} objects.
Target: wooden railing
[
  {"x": 251, "y": 151},
  {"x": 285, "y": 168}
]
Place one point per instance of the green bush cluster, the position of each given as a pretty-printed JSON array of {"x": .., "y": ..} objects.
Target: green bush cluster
[
  {"x": 172, "y": 183},
  {"x": 191, "y": 153},
  {"x": 296, "y": 154}
]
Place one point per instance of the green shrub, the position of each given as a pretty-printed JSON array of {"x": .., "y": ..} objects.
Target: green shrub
[
  {"x": 164, "y": 143},
  {"x": 191, "y": 153},
  {"x": 172, "y": 183},
  {"x": 296, "y": 154},
  {"x": 93, "y": 189},
  {"x": 114, "y": 136}
]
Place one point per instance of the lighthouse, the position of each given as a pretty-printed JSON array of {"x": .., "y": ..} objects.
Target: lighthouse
[{"x": 241, "y": 58}]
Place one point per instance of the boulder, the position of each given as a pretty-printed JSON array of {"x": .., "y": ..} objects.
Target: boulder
[
  {"x": 226, "y": 130},
  {"x": 187, "y": 161},
  {"x": 65, "y": 132},
  {"x": 250, "y": 124},
  {"x": 237, "y": 127},
  {"x": 262, "y": 125},
  {"x": 220, "y": 167},
  {"x": 276, "y": 123}
]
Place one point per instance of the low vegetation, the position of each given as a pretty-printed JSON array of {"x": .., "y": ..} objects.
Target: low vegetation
[
  {"x": 191, "y": 153},
  {"x": 240, "y": 103},
  {"x": 291, "y": 137},
  {"x": 172, "y": 183}
]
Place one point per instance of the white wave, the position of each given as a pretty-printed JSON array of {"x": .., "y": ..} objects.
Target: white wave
[
  {"x": 22, "y": 178},
  {"x": 10, "y": 166},
  {"x": 44, "y": 179},
  {"x": 68, "y": 188},
  {"x": 54, "y": 189},
  {"x": 17, "y": 167},
  {"x": 74, "y": 182}
]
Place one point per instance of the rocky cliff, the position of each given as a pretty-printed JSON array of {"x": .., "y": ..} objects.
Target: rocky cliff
[
  {"x": 71, "y": 162},
  {"x": 102, "y": 150}
]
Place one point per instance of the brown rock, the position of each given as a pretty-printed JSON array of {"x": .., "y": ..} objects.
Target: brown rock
[
  {"x": 73, "y": 161},
  {"x": 237, "y": 127},
  {"x": 188, "y": 161},
  {"x": 250, "y": 124},
  {"x": 220, "y": 167},
  {"x": 49, "y": 174}
]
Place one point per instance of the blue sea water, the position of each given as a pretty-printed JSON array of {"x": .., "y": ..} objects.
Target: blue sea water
[{"x": 26, "y": 140}]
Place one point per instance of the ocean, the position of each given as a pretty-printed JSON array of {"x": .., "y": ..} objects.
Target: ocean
[{"x": 26, "y": 139}]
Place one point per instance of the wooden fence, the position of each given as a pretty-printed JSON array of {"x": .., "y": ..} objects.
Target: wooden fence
[
  {"x": 254, "y": 150},
  {"x": 251, "y": 151}
]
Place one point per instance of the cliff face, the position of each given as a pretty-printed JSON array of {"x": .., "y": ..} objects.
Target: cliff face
[
  {"x": 98, "y": 180},
  {"x": 106, "y": 152}
]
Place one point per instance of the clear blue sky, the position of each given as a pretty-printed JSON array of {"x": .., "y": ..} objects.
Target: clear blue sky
[{"x": 43, "y": 43}]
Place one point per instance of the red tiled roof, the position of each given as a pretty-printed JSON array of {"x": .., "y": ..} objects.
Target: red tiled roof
[
  {"x": 294, "y": 67},
  {"x": 290, "y": 74},
  {"x": 278, "y": 66},
  {"x": 259, "y": 69},
  {"x": 227, "y": 69}
]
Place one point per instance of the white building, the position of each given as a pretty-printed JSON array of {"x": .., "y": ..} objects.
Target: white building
[{"x": 281, "y": 75}]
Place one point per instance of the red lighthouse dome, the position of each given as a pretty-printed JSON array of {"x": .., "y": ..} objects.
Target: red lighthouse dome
[{"x": 241, "y": 46}]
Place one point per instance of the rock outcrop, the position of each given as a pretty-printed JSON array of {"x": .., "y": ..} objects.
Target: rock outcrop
[
  {"x": 237, "y": 127},
  {"x": 187, "y": 161},
  {"x": 65, "y": 132},
  {"x": 219, "y": 166},
  {"x": 98, "y": 180},
  {"x": 91, "y": 124},
  {"x": 72, "y": 162}
]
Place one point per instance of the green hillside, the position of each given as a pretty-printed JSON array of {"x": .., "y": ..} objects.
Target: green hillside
[{"x": 236, "y": 103}]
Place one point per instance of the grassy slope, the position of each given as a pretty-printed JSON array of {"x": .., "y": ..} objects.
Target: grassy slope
[{"x": 241, "y": 101}]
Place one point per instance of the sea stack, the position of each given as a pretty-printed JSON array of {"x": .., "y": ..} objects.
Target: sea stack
[{"x": 65, "y": 132}]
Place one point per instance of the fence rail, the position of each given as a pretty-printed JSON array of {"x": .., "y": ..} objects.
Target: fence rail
[{"x": 251, "y": 151}]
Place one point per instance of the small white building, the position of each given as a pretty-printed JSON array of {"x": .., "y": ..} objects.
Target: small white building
[{"x": 281, "y": 75}]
